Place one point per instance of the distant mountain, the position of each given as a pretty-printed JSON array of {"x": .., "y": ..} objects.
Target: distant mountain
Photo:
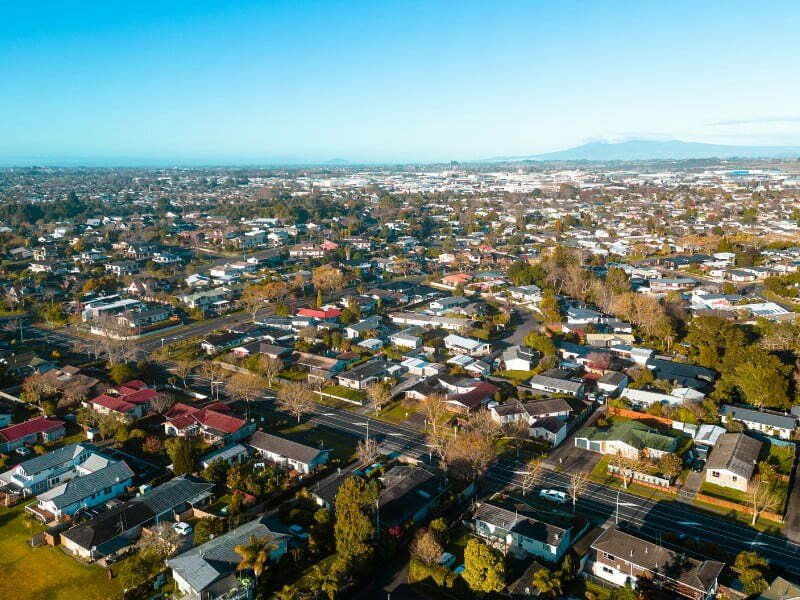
[{"x": 658, "y": 150}]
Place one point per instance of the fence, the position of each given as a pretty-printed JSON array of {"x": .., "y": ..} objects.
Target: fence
[
  {"x": 639, "y": 477},
  {"x": 638, "y": 416},
  {"x": 769, "y": 516}
]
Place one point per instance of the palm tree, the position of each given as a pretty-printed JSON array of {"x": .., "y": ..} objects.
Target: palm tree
[
  {"x": 255, "y": 554},
  {"x": 547, "y": 582},
  {"x": 327, "y": 579}
]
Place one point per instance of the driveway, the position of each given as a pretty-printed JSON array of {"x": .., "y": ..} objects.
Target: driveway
[{"x": 694, "y": 481}]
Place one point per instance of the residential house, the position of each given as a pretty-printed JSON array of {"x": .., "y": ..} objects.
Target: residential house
[
  {"x": 627, "y": 438},
  {"x": 612, "y": 383},
  {"x": 358, "y": 378},
  {"x": 409, "y": 492},
  {"x": 33, "y": 431},
  {"x": 522, "y": 532},
  {"x": 211, "y": 570},
  {"x": 38, "y": 474},
  {"x": 283, "y": 451},
  {"x": 770, "y": 423},
  {"x": 463, "y": 345},
  {"x": 517, "y": 358},
  {"x": 528, "y": 294},
  {"x": 356, "y": 330},
  {"x": 213, "y": 426},
  {"x": 219, "y": 342},
  {"x": 624, "y": 559},
  {"x": 733, "y": 461},
  {"x": 97, "y": 481},
  {"x": 429, "y": 321},
  {"x": 410, "y": 337},
  {"x": 555, "y": 381},
  {"x": 121, "y": 525},
  {"x": 233, "y": 455}
]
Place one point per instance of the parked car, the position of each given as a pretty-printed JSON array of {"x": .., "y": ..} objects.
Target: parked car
[
  {"x": 182, "y": 528},
  {"x": 698, "y": 465},
  {"x": 554, "y": 496},
  {"x": 23, "y": 451}
]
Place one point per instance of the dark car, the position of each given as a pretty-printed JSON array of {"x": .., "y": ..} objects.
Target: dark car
[{"x": 698, "y": 465}]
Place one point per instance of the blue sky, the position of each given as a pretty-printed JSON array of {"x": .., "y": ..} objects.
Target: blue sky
[{"x": 260, "y": 82}]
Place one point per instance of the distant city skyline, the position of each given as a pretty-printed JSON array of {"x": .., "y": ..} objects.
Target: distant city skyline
[{"x": 287, "y": 83}]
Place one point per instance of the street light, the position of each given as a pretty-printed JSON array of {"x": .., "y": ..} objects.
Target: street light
[
  {"x": 364, "y": 423},
  {"x": 216, "y": 383},
  {"x": 616, "y": 512}
]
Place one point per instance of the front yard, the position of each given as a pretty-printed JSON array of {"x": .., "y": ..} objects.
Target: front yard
[{"x": 45, "y": 572}]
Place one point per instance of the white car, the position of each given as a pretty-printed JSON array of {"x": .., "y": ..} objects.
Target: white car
[
  {"x": 182, "y": 528},
  {"x": 554, "y": 496},
  {"x": 23, "y": 451}
]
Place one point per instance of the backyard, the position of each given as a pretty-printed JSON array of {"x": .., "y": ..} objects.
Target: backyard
[{"x": 45, "y": 572}]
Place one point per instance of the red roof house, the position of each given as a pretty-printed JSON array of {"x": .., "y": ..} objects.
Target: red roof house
[
  {"x": 39, "y": 429},
  {"x": 184, "y": 420},
  {"x": 327, "y": 314}
]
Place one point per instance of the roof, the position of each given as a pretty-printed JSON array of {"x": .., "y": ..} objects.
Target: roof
[
  {"x": 203, "y": 565},
  {"x": 407, "y": 490},
  {"x": 79, "y": 488},
  {"x": 633, "y": 433},
  {"x": 115, "y": 403},
  {"x": 754, "y": 416},
  {"x": 373, "y": 368},
  {"x": 183, "y": 415},
  {"x": 32, "y": 426},
  {"x": 700, "y": 575},
  {"x": 523, "y": 521},
  {"x": 480, "y": 392},
  {"x": 57, "y": 457},
  {"x": 735, "y": 452},
  {"x": 261, "y": 440},
  {"x": 552, "y": 382}
]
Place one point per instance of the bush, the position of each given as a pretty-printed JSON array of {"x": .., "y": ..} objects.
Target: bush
[{"x": 419, "y": 571}]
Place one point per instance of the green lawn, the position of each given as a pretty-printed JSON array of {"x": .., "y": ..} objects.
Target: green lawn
[
  {"x": 780, "y": 457},
  {"x": 342, "y": 444},
  {"x": 515, "y": 375},
  {"x": 396, "y": 413},
  {"x": 345, "y": 392},
  {"x": 723, "y": 493},
  {"x": 45, "y": 572}
]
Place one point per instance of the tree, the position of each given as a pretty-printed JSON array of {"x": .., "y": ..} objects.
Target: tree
[
  {"x": 368, "y": 451},
  {"x": 600, "y": 361},
  {"x": 761, "y": 494},
  {"x": 434, "y": 407},
  {"x": 252, "y": 299},
  {"x": 761, "y": 380},
  {"x": 354, "y": 527},
  {"x": 152, "y": 445},
  {"x": 516, "y": 433},
  {"x": 426, "y": 548},
  {"x": 532, "y": 474},
  {"x": 484, "y": 568},
  {"x": 578, "y": 482},
  {"x": 268, "y": 367},
  {"x": 468, "y": 455},
  {"x": 670, "y": 465},
  {"x": 295, "y": 398},
  {"x": 287, "y": 592},
  {"x": 182, "y": 454},
  {"x": 540, "y": 342},
  {"x": 121, "y": 372},
  {"x": 548, "y": 582},
  {"x": 327, "y": 278},
  {"x": 751, "y": 568},
  {"x": 548, "y": 306},
  {"x": 378, "y": 395},
  {"x": 255, "y": 554},
  {"x": 162, "y": 402},
  {"x": 183, "y": 368},
  {"x": 245, "y": 387}
]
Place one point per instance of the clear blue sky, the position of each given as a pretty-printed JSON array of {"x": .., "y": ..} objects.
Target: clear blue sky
[{"x": 227, "y": 82}]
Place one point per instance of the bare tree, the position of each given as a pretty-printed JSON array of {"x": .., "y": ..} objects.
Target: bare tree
[
  {"x": 183, "y": 368},
  {"x": 468, "y": 455},
  {"x": 578, "y": 483},
  {"x": 378, "y": 395},
  {"x": 532, "y": 475},
  {"x": 761, "y": 494},
  {"x": 269, "y": 367},
  {"x": 116, "y": 340},
  {"x": 252, "y": 299},
  {"x": 434, "y": 407},
  {"x": 162, "y": 402},
  {"x": 214, "y": 372},
  {"x": 368, "y": 451},
  {"x": 245, "y": 387},
  {"x": 516, "y": 432},
  {"x": 295, "y": 398},
  {"x": 483, "y": 423},
  {"x": 327, "y": 278}
]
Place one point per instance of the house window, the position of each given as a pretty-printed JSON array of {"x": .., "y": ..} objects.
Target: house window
[
  {"x": 607, "y": 570},
  {"x": 609, "y": 556},
  {"x": 715, "y": 473},
  {"x": 734, "y": 477}
]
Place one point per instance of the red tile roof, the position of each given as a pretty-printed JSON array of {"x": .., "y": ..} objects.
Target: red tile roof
[
  {"x": 317, "y": 313},
  {"x": 182, "y": 416},
  {"x": 114, "y": 403},
  {"x": 136, "y": 384},
  {"x": 476, "y": 395},
  {"x": 37, "y": 425}
]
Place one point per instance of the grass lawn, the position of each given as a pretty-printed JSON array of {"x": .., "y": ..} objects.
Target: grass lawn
[
  {"x": 780, "y": 457},
  {"x": 396, "y": 413},
  {"x": 45, "y": 572},
  {"x": 515, "y": 375},
  {"x": 723, "y": 493},
  {"x": 343, "y": 445},
  {"x": 345, "y": 392}
]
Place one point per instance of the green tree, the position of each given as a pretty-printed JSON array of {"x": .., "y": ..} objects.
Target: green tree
[
  {"x": 484, "y": 567},
  {"x": 541, "y": 343},
  {"x": 548, "y": 306},
  {"x": 254, "y": 555},
  {"x": 761, "y": 380},
  {"x": 205, "y": 529},
  {"x": 121, "y": 372},
  {"x": 548, "y": 582},
  {"x": 354, "y": 527},
  {"x": 182, "y": 454}
]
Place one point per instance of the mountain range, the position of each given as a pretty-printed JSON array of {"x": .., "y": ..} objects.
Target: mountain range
[{"x": 660, "y": 150}]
